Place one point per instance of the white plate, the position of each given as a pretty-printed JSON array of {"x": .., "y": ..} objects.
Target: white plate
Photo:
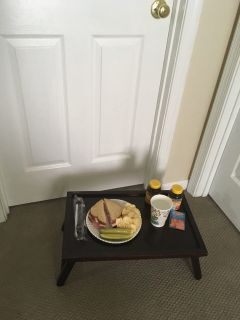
[{"x": 95, "y": 231}]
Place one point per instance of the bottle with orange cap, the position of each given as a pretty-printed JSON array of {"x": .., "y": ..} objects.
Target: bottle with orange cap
[
  {"x": 154, "y": 187},
  {"x": 176, "y": 194}
]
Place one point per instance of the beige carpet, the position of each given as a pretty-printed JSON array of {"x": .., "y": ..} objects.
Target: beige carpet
[{"x": 160, "y": 289}]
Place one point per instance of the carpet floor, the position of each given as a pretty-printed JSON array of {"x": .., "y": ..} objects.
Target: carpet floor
[{"x": 30, "y": 243}]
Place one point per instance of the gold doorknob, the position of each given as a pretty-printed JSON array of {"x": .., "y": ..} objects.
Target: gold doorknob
[{"x": 160, "y": 9}]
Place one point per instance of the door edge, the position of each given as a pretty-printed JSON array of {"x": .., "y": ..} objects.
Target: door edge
[
  {"x": 181, "y": 38},
  {"x": 224, "y": 112}
]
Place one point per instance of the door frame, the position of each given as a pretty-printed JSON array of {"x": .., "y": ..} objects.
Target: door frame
[
  {"x": 224, "y": 112},
  {"x": 182, "y": 33}
]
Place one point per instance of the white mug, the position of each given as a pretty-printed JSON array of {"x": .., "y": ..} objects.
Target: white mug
[{"x": 160, "y": 208}]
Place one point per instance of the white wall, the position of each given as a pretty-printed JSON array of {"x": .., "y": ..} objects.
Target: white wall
[{"x": 215, "y": 26}]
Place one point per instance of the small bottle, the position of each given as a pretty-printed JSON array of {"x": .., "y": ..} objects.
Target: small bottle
[
  {"x": 154, "y": 187},
  {"x": 176, "y": 194}
]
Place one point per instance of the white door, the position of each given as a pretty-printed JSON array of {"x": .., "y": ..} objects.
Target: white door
[
  {"x": 225, "y": 189},
  {"x": 79, "y": 85}
]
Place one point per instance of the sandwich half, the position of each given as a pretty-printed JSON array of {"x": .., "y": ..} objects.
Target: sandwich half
[{"x": 104, "y": 213}]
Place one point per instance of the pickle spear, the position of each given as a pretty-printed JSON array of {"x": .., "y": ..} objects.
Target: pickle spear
[
  {"x": 115, "y": 236},
  {"x": 125, "y": 231}
]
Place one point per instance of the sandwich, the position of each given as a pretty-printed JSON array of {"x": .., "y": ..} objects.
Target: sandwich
[{"x": 104, "y": 213}]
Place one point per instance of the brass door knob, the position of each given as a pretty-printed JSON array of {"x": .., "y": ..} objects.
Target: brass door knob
[{"x": 160, "y": 9}]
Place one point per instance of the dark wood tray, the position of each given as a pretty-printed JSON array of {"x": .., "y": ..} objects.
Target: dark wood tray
[{"x": 150, "y": 243}]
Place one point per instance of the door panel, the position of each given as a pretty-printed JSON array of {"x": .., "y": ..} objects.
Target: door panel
[
  {"x": 225, "y": 189},
  {"x": 79, "y": 87},
  {"x": 117, "y": 62},
  {"x": 37, "y": 70}
]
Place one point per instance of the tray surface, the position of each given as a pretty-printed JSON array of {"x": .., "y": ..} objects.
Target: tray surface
[{"x": 150, "y": 243}]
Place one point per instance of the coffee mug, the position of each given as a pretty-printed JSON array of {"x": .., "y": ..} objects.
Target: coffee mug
[{"x": 160, "y": 208}]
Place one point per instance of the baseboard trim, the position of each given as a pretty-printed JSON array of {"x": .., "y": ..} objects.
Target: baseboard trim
[
  {"x": 4, "y": 209},
  {"x": 168, "y": 185}
]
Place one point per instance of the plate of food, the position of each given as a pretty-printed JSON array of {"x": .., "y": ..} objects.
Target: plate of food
[{"x": 114, "y": 221}]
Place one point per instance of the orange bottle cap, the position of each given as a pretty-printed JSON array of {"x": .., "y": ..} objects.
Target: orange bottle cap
[
  {"x": 177, "y": 189},
  {"x": 155, "y": 184}
]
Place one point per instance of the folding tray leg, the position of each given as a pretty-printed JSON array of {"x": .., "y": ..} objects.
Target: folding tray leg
[
  {"x": 64, "y": 273},
  {"x": 196, "y": 268}
]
